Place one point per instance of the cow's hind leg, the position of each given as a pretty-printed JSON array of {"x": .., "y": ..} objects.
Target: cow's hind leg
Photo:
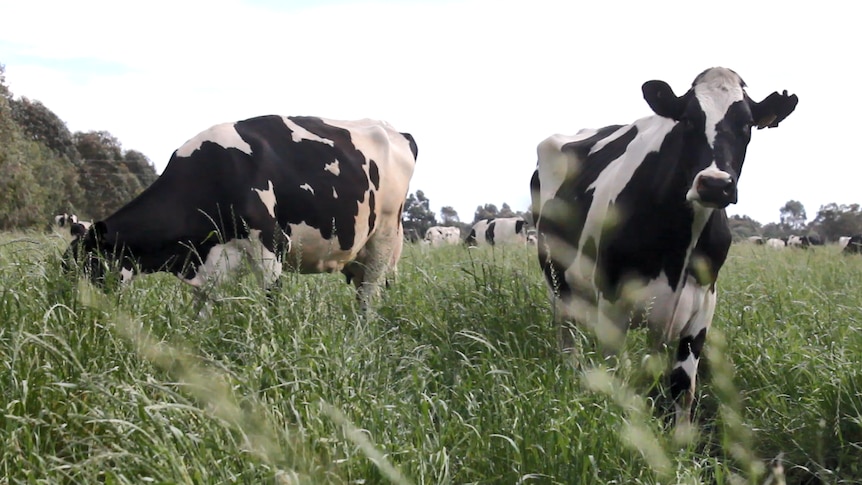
[
  {"x": 378, "y": 258},
  {"x": 683, "y": 376}
]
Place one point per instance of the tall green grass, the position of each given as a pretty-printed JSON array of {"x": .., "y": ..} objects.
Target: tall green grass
[{"x": 455, "y": 378}]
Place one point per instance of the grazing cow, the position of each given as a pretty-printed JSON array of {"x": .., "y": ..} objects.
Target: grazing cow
[
  {"x": 775, "y": 243},
  {"x": 319, "y": 195},
  {"x": 798, "y": 242},
  {"x": 79, "y": 228},
  {"x": 631, "y": 218},
  {"x": 442, "y": 235},
  {"x": 500, "y": 230},
  {"x": 65, "y": 219},
  {"x": 756, "y": 240},
  {"x": 854, "y": 245}
]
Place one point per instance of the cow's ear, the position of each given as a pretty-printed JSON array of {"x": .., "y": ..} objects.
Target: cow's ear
[
  {"x": 662, "y": 100},
  {"x": 772, "y": 110}
]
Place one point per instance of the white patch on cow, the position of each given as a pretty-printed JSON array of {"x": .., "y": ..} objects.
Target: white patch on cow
[
  {"x": 334, "y": 193},
  {"x": 267, "y": 196},
  {"x": 711, "y": 171},
  {"x": 299, "y": 133},
  {"x": 126, "y": 275},
  {"x": 442, "y": 235},
  {"x": 332, "y": 167},
  {"x": 843, "y": 241},
  {"x": 307, "y": 187},
  {"x": 311, "y": 253},
  {"x": 224, "y": 135},
  {"x": 775, "y": 243},
  {"x": 221, "y": 260},
  {"x": 224, "y": 259},
  {"x": 716, "y": 90}
]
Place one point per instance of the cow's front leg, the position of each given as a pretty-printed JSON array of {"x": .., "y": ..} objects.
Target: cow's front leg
[{"x": 683, "y": 377}]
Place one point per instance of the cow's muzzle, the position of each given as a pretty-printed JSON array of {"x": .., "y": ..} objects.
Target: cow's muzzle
[{"x": 715, "y": 191}]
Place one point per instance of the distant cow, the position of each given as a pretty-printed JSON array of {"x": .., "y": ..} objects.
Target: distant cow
[
  {"x": 854, "y": 245},
  {"x": 755, "y": 240},
  {"x": 320, "y": 195},
  {"x": 442, "y": 235},
  {"x": 631, "y": 218},
  {"x": 65, "y": 219},
  {"x": 775, "y": 243},
  {"x": 500, "y": 230},
  {"x": 798, "y": 242}
]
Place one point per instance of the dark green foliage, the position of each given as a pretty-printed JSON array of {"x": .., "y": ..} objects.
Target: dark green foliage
[{"x": 417, "y": 215}]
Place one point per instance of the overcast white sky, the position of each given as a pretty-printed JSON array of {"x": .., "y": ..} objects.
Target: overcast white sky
[{"x": 479, "y": 83}]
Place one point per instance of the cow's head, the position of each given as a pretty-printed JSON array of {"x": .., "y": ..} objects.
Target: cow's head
[
  {"x": 714, "y": 121},
  {"x": 98, "y": 258}
]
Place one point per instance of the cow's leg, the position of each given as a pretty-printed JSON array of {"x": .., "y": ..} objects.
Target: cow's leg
[
  {"x": 683, "y": 376},
  {"x": 375, "y": 261},
  {"x": 264, "y": 261},
  {"x": 220, "y": 261}
]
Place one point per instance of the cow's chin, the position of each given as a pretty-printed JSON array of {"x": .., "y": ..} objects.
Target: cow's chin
[{"x": 696, "y": 200}]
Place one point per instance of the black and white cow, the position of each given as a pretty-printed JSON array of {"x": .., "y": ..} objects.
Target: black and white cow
[
  {"x": 853, "y": 245},
  {"x": 499, "y": 230},
  {"x": 631, "y": 218},
  {"x": 318, "y": 195},
  {"x": 437, "y": 236},
  {"x": 65, "y": 219},
  {"x": 757, "y": 240}
]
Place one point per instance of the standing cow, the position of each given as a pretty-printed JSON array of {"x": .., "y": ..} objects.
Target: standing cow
[
  {"x": 500, "y": 230},
  {"x": 320, "y": 195},
  {"x": 853, "y": 245},
  {"x": 631, "y": 218}
]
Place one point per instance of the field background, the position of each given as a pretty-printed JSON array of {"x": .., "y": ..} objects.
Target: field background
[{"x": 456, "y": 379}]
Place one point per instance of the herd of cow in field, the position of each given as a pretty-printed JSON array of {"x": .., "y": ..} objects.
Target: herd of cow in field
[
  {"x": 629, "y": 219},
  {"x": 848, "y": 244}
]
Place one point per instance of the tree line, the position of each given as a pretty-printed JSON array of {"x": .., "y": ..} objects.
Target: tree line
[{"x": 45, "y": 169}]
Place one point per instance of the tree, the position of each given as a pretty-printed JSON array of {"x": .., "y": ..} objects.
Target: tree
[
  {"x": 32, "y": 179},
  {"x": 833, "y": 221},
  {"x": 417, "y": 214},
  {"x": 40, "y": 124},
  {"x": 793, "y": 215},
  {"x": 743, "y": 227},
  {"x": 449, "y": 216},
  {"x": 488, "y": 211},
  {"x": 104, "y": 176},
  {"x": 141, "y": 167}
]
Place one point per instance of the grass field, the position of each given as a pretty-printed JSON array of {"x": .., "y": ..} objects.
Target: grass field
[{"x": 455, "y": 379}]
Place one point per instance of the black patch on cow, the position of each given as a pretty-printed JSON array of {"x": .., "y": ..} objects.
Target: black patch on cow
[
  {"x": 711, "y": 250},
  {"x": 489, "y": 233},
  {"x": 563, "y": 216},
  {"x": 680, "y": 382},
  {"x": 471, "y": 238},
  {"x": 854, "y": 245},
  {"x": 413, "y": 147},
  {"x": 691, "y": 345},
  {"x": 519, "y": 226},
  {"x": 372, "y": 215},
  {"x": 374, "y": 174}
]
